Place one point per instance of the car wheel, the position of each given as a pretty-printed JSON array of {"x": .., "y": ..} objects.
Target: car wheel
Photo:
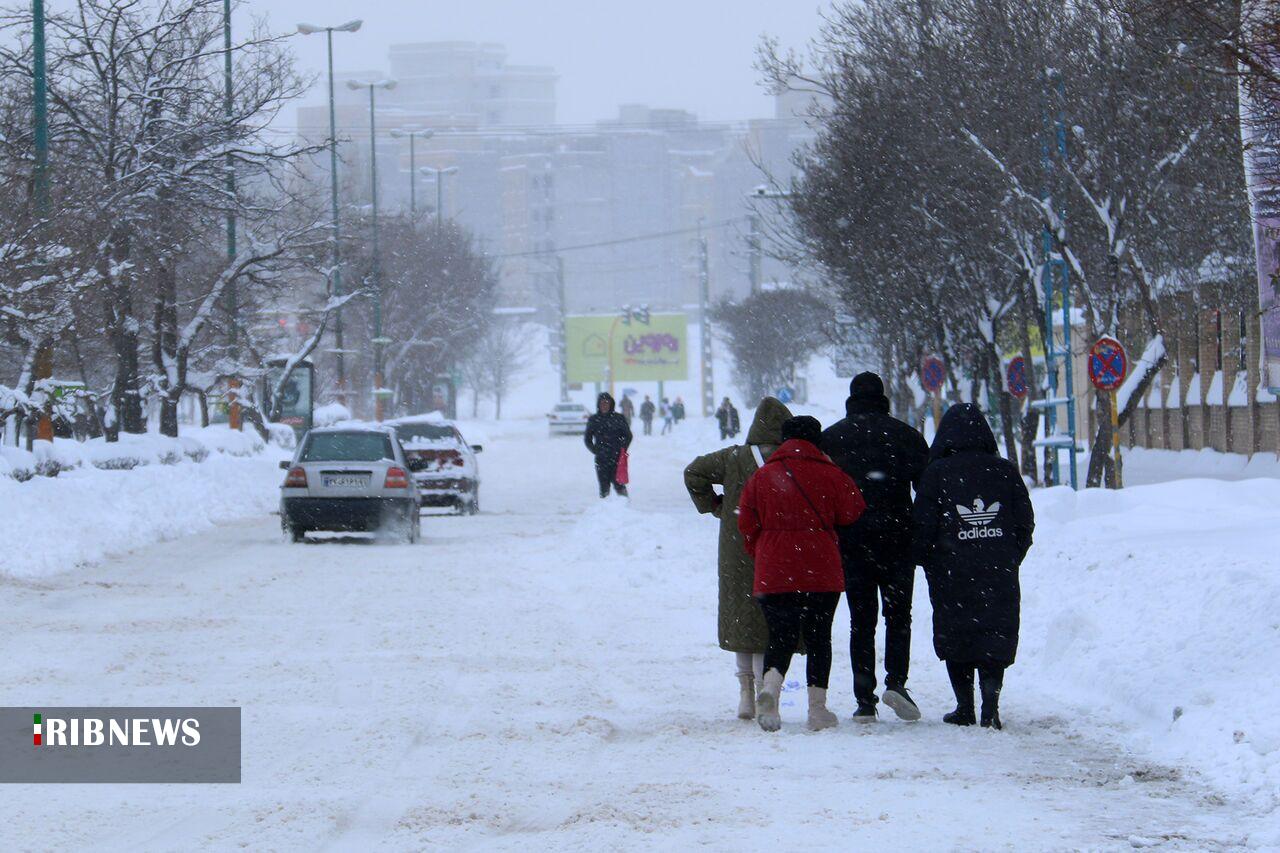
[
  {"x": 295, "y": 534},
  {"x": 413, "y": 527},
  {"x": 473, "y": 506}
]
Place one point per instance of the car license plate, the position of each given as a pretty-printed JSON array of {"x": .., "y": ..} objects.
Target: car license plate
[{"x": 346, "y": 481}]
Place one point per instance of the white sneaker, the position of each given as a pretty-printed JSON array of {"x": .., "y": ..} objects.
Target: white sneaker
[
  {"x": 746, "y": 697},
  {"x": 819, "y": 716},
  {"x": 767, "y": 702}
]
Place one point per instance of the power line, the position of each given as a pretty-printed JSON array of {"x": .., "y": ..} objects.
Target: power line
[{"x": 657, "y": 235}]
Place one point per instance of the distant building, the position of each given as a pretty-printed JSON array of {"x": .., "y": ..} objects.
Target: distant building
[{"x": 618, "y": 207}]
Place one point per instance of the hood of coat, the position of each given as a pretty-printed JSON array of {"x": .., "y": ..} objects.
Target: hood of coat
[
  {"x": 606, "y": 397},
  {"x": 963, "y": 428},
  {"x": 798, "y": 448},
  {"x": 866, "y": 395},
  {"x": 767, "y": 426}
]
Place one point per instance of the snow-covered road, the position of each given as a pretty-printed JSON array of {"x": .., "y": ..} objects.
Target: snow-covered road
[{"x": 543, "y": 675}]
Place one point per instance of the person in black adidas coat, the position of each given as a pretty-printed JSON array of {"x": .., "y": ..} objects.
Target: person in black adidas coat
[
  {"x": 885, "y": 457},
  {"x": 607, "y": 435},
  {"x": 972, "y": 528}
]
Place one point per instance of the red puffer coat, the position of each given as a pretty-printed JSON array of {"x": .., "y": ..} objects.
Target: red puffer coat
[{"x": 793, "y": 543}]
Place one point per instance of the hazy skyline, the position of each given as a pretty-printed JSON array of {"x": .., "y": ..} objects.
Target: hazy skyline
[{"x": 692, "y": 54}]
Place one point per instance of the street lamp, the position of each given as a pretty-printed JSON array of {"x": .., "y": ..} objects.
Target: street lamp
[
  {"x": 378, "y": 340},
  {"x": 412, "y": 133},
  {"x": 439, "y": 177},
  {"x": 306, "y": 30}
]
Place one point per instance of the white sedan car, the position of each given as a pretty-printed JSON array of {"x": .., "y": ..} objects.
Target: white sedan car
[{"x": 568, "y": 419}]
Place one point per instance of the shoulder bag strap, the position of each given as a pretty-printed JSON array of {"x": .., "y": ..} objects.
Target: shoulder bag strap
[{"x": 821, "y": 521}]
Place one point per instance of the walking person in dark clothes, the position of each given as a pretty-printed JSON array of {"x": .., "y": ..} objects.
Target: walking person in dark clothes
[
  {"x": 788, "y": 516},
  {"x": 735, "y": 422},
  {"x": 722, "y": 418},
  {"x": 973, "y": 523},
  {"x": 646, "y": 415},
  {"x": 628, "y": 409},
  {"x": 606, "y": 437},
  {"x": 885, "y": 457}
]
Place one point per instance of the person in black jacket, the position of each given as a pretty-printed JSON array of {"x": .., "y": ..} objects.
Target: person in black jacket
[
  {"x": 607, "y": 435},
  {"x": 972, "y": 528},
  {"x": 885, "y": 457}
]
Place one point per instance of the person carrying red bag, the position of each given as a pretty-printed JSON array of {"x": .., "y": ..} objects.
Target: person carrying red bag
[{"x": 788, "y": 516}]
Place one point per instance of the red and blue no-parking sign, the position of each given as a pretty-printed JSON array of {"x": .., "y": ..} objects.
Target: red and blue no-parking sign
[
  {"x": 1016, "y": 377},
  {"x": 1108, "y": 364},
  {"x": 933, "y": 373}
]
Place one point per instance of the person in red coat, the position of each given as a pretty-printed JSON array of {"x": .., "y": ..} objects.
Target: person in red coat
[{"x": 788, "y": 516}]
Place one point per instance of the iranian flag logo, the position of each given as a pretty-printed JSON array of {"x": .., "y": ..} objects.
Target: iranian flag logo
[{"x": 36, "y": 727}]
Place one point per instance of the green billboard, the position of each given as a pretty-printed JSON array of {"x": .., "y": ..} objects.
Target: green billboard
[{"x": 630, "y": 347}]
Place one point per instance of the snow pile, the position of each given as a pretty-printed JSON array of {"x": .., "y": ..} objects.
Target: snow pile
[
  {"x": 330, "y": 414},
  {"x": 1154, "y": 608},
  {"x": 98, "y": 508},
  {"x": 48, "y": 459}
]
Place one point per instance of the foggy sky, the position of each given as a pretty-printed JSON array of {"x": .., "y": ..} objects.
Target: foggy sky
[{"x": 691, "y": 54}]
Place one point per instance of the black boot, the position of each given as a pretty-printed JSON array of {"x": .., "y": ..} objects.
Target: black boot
[
  {"x": 991, "y": 680},
  {"x": 962, "y": 684}
]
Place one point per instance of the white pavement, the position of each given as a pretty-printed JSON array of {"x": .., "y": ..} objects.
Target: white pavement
[{"x": 541, "y": 676}]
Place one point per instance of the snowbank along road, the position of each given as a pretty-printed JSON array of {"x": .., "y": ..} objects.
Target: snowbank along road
[{"x": 545, "y": 675}]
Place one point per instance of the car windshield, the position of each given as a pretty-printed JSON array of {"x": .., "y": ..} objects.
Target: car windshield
[
  {"x": 347, "y": 447},
  {"x": 423, "y": 432}
]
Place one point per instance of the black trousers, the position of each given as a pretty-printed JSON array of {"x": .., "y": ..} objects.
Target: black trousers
[
  {"x": 607, "y": 475},
  {"x": 792, "y": 615},
  {"x": 990, "y": 677},
  {"x": 871, "y": 575},
  {"x": 648, "y": 425}
]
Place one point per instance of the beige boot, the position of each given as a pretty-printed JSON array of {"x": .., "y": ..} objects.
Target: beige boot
[
  {"x": 746, "y": 697},
  {"x": 819, "y": 716},
  {"x": 767, "y": 702}
]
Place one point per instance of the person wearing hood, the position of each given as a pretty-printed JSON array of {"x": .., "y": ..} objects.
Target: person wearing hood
[
  {"x": 885, "y": 457},
  {"x": 741, "y": 626},
  {"x": 788, "y": 517},
  {"x": 973, "y": 522},
  {"x": 607, "y": 435}
]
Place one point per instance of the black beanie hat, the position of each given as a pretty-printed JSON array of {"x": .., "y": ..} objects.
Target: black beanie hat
[
  {"x": 866, "y": 386},
  {"x": 803, "y": 427}
]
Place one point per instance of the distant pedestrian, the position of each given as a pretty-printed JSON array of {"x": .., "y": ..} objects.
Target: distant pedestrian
[
  {"x": 735, "y": 424},
  {"x": 788, "y": 516},
  {"x": 668, "y": 419},
  {"x": 646, "y": 415},
  {"x": 677, "y": 410},
  {"x": 973, "y": 523},
  {"x": 885, "y": 457},
  {"x": 628, "y": 409},
  {"x": 607, "y": 436},
  {"x": 741, "y": 626},
  {"x": 722, "y": 417}
]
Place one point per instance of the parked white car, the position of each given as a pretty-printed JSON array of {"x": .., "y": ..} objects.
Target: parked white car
[
  {"x": 349, "y": 478},
  {"x": 568, "y": 419}
]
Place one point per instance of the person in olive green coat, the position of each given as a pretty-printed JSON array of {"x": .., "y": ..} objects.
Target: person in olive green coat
[{"x": 742, "y": 627}]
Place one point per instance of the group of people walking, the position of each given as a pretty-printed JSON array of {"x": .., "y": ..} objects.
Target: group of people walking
[
  {"x": 807, "y": 514},
  {"x": 666, "y": 411}
]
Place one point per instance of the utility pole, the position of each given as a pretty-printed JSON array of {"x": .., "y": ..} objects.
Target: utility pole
[
  {"x": 753, "y": 249},
  {"x": 336, "y": 274},
  {"x": 412, "y": 133},
  {"x": 379, "y": 393},
  {"x": 704, "y": 326},
  {"x": 233, "y": 307},
  {"x": 562, "y": 307},
  {"x": 43, "y": 367}
]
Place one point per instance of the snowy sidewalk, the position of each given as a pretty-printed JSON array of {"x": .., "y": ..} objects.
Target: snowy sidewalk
[{"x": 545, "y": 675}]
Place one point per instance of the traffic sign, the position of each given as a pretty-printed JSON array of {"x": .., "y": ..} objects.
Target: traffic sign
[
  {"x": 933, "y": 373},
  {"x": 786, "y": 395},
  {"x": 1108, "y": 364},
  {"x": 1016, "y": 377}
]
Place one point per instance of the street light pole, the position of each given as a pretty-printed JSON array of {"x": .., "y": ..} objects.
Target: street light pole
[
  {"x": 439, "y": 177},
  {"x": 378, "y": 340},
  {"x": 336, "y": 273},
  {"x": 233, "y": 307},
  {"x": 43, "y": 366},
  {"x": 412, "y": 133}
]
